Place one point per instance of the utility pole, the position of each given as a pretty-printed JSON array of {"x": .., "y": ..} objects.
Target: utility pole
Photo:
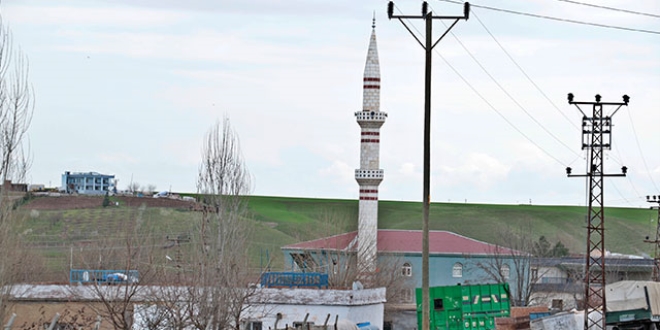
[
  {"x": 596, "y": 136},
  {"x": 428, "y": 17},
  {"x": 656, "y": 256}
]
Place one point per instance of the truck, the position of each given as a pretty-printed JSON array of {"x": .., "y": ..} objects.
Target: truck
[
  {"x": 630, "y": 305},
  {"x": 463, "y": 307},
  {"x": 633, "y": 305},
  {"x": 567, "y": 320}
]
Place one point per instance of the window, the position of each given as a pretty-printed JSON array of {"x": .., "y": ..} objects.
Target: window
[
  {"x": 558, "y": 304},
  {"x": 505, "y": 271},
  {"x": 387, "y": 325},
  {"x": 535, "y": 274},
  {"x": 438, "y": 305},
  {"x": 303, "y": 261},
  {"x": 457, "y": 271},
  {"x": 255, "y": 325},
  {"x": 408, "y": 295},
  {"x": 406, "y": 270}
]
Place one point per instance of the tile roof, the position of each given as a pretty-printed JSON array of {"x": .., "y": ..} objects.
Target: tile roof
[{"x": 407, "y": 241}]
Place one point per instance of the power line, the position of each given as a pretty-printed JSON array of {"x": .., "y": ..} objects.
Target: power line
[
  {"x": 641, "y": 154},
  {"x": 492, "y": 107},
  {"x": 523, "y": 71},
  {"x": 559, "y": 19},
  {"x": 509, "y": 94},
  {"x": 428, "y": 18},
  {"x": 611, "y": 8},
  {"x": 621, "y": 195}
]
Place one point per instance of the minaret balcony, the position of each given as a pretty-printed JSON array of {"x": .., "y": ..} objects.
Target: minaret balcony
[
  {"x": 371, "y": 116},
  {"x": 369, "y": 176}
]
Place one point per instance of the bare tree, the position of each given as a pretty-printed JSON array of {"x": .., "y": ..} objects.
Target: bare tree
[
  {"x": 344, "y": 272},
  {"x": 16, "y": 108},
  {"x": 222, "y": 277},
  {"x": 511, "y": 263},
  {"x": 133, "y": 188},
  {"x": 210, "y": 275},
  {"x": 340, "y": 262},
  {"x": 132, "y": 257},
  {"x": 149, "y": 189}
]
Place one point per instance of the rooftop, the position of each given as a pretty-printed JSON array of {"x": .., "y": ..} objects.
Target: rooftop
[
  {"x": 87, "y": 174},
  {"x": 407, "y": 241}
]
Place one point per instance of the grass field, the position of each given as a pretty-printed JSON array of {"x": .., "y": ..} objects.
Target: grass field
[{"x": 278, "y": 221}]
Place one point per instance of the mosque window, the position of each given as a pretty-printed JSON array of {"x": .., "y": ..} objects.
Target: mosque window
[
  {"x": 406, "y": 270},
  {"x": 457, "y": 270},
  {"x": 505, "y": 270}
]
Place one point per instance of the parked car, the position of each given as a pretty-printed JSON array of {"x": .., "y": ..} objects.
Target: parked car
[
  {"x": 162, "y": 194},
  {"x": 116, "y": 278}
]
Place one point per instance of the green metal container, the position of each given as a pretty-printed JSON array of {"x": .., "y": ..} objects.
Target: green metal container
[{"x": 463, "y": 307}]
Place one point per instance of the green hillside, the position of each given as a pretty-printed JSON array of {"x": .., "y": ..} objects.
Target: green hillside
[
  {"x": 302, "y": 218},
  {"x": 278, "y": 221}
]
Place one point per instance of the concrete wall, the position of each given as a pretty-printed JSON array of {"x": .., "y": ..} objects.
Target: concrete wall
[
  {"x": 37, "y": 313},
  {"x": 293, "y": 305}
]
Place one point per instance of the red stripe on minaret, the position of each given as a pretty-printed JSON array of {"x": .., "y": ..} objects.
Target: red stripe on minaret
[
  {"x": 369, "y": 191},
  {"x": 371, "y": 133},
  {"x": 368, "y": 198},
  {"x": 370, "y": 141},
  {"x": 371, "y": 79},
  {"x": 371, "y": 87}
]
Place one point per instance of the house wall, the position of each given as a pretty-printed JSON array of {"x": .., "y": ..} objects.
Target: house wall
[
  {"x": 38, "y": 313},
  {"x": 569, "y": 300},
  {"x": 293, "y": 305},
  {"x": 549, "y": 274},
  {"x": 38, "y": 304},
  {"x": 402, "y": 319},
  {"x": 317, "y": 314},
  {"x": 440, "y": 267},
  {"x": 560, "y": 278}
]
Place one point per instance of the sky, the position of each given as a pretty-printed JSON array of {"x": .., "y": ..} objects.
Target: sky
[{"x": 130, "y": 88}]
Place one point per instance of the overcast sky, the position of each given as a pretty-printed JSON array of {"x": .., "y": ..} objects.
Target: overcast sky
[{"x": 130, "y": 88}]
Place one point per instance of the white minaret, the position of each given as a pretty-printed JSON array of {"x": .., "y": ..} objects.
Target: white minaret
[{"x": 369, "y": 175}]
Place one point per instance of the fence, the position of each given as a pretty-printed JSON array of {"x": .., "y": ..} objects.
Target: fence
[
  {"x": 103, "y": 276},
  {"x": 292, "y": 279}
]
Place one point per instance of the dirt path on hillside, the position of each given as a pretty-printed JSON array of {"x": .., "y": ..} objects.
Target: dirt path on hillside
[{"x": 67, "y": 202}]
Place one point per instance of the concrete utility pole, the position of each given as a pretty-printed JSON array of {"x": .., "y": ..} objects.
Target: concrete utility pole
[
  {"x": 656, "y": 256},
  {"x": 428, "y": 47},
  {"x": 596, "y": 136}
]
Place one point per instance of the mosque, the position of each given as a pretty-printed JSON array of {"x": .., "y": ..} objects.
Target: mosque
[{"x": 453, "y": 258}]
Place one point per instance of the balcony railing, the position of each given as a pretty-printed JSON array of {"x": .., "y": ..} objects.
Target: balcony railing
[
  {"x": 369, "y": 174},
  {"x": 292, "y": 279}
]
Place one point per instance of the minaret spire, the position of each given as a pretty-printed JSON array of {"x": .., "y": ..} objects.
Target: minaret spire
[{"x": 369, "y": 175}]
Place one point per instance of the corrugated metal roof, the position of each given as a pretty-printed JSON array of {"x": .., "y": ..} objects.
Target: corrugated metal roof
[{"x": 408, "y": 241}]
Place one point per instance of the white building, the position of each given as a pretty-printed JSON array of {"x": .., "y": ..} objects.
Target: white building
[{"x": 266, "y": 308}]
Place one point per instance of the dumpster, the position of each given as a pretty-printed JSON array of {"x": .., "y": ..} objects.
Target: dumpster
[{"x": 465, "y": 307}]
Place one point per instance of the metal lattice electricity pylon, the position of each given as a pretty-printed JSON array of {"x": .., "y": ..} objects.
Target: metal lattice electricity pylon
[
  {"x": 428, "y": 18},
  {"x": 656, "y": 255},
  {"x": 596, "y": 136}
]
